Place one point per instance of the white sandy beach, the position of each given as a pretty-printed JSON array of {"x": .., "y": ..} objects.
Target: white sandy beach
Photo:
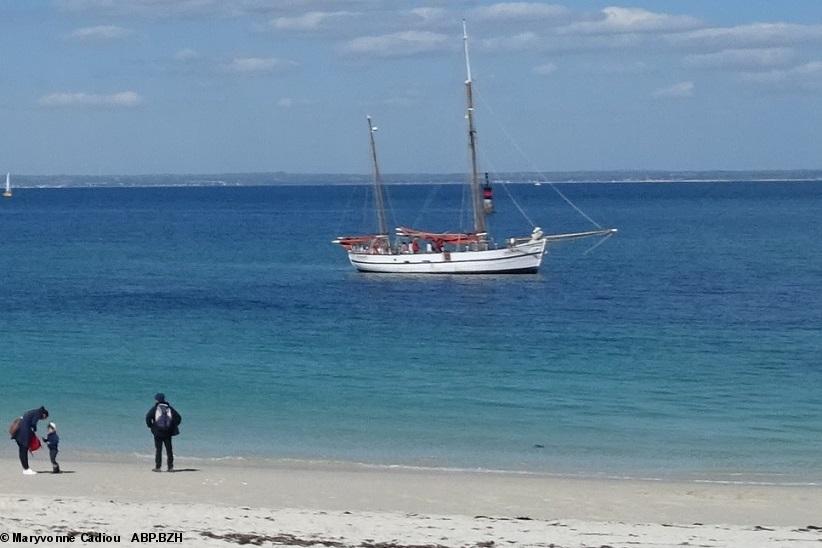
[{"x": 340, "y": 505}]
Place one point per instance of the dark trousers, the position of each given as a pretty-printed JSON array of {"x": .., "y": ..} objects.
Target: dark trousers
[
  {"x": 158, "y": 452},
  {"x": 24, "y": 455},
  {"x": 53, "y": 456}
]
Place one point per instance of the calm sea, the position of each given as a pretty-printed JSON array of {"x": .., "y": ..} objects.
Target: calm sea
[{"x": 688, "y": 346}]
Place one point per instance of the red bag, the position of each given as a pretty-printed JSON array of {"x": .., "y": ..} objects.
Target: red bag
[{"x": 34, "y": 443}]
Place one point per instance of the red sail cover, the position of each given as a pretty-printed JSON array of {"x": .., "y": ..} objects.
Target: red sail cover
[
  {"x": 349, "y": 241},
  {"x": 445, "y": 237}
]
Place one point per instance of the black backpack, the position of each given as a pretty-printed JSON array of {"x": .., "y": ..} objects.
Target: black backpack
[{"x": 163, "y": 421}]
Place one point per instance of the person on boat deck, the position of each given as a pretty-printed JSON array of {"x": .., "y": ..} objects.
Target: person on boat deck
[
  {"x": 404, "y": 248},
  {"x": 381, "y": 247},
  {"x": 25, "y": 431},
  {"x": 428, "y": 247},
  {"x": 415, "y": 246},
  {"x": 438, "y": 245}
]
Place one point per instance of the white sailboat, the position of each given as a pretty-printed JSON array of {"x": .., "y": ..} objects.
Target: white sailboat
[
  {"x": 7, "y": 191},
  {"x": 415, "y": 251}
]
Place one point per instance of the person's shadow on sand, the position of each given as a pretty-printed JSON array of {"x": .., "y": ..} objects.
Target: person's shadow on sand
[
  {"x": 50, "y": 473},
  {"x": 185, "y": 470}
]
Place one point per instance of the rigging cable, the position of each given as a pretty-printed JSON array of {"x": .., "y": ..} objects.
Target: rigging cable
[
  {"x": 527, "y": 218},
  {"x": 463, "y": 222},
  {"x": 533, "y": 167},
  {"x": 390, "y": 207},
  {"x": 599, "y": 243},
  {"x": 366, "y": 210},
  {"x": 508, "y": 191},
  {"x": 426, "y": 205},
  {"x": 346, "y": 210}
]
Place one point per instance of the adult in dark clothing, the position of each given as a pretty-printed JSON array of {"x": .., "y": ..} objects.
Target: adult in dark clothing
[
  {"x": 27, "y": 429},
  {"x": 164, "y": 422}
]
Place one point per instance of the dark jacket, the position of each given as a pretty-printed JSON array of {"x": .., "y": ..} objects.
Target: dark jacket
[
  {"x": 52, "y": 440},
  {"x": 176, "y": 419},
  {"x": 28, "y": 427}
]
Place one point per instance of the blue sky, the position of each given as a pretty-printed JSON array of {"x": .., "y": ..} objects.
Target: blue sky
[{"x": 210, "y": 86}]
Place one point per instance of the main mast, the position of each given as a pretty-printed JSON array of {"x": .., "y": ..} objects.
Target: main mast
[
  {"x": 379, "y": 197},
  {"x": 476, "y": 196}
]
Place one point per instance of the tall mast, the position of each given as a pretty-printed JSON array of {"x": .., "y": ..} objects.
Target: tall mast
[
  {"x": 379, "y": 198},
  {"x": 476, "y": 196}
]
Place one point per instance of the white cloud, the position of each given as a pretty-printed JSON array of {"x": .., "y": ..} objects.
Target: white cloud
[
  {"x": 518, "y": 42},
  {"x": 546, "y": 69},
  {"x": 398, "y": 98},
  {"x": 124, "y": 99},
  {"x": 740, "y": 59},
  {"x": 141, "y": 7},
  {"x": 749, "y": 36},
  {"x": 100, "y": 33},
  {"x": 257, "y": 65},
  {"x": 807, "y": 75},
  {"x": 312, "y": 20},
  {"x": 617, "y": 20},
  {"x": 289, "y": 102},
  {"x": 397, "y": 44},
  {"x": 676, "y": 91},
  {"x": 161, "y": 8},
  {"x": 527, "y": 11},
  {"x": 186, "y": 55},
  {"x": 209, "y": 8},
  {"x": 427, "y": 14},
  {"x": 531, "y": 41},
  {"x": 614, "y": 28},
  {"x": 620, "y": 67}
]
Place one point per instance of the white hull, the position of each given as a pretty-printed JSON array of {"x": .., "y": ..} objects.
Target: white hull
[
  {"x": 521, "y": 258},
  {"x": 381, "y": 253}
]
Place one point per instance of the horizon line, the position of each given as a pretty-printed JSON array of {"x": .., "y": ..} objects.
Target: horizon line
[{"x": 638, "y": 171}]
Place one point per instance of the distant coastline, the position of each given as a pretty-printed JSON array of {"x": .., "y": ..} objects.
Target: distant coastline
[{"x": 280, "y": 178}]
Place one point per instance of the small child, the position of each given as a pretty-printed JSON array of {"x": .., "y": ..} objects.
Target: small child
[{"x": 52, "y": 440}]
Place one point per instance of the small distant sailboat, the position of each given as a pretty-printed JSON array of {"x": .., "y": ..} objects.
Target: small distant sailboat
[
  {"x": 471, "y": 252},
  {"x": 7, "y": 192}
]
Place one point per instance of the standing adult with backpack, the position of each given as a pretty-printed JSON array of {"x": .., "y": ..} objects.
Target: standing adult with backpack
[
  {"x": 164, "y": 422},
  {"x": 23, "y": 433}
]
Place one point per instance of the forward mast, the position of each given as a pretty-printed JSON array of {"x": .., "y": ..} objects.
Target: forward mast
[{"x": 476, "y": 191}]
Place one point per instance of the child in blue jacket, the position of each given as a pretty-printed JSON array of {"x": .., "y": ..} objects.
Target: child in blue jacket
[{"x": 53, "y": 440}]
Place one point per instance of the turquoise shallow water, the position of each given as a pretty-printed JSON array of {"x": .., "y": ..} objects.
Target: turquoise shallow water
[{"x": 690, "y": 345}]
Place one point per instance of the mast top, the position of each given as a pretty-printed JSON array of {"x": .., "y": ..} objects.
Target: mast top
[{"x": 465, "y": 46}]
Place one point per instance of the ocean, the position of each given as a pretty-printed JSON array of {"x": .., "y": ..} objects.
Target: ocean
[{"x": 688, "y": 346}]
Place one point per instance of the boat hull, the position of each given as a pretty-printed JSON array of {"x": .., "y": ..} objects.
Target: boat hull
[{"x": 523, "y": 258}]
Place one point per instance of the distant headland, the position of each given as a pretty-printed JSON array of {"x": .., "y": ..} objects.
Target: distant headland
[{"x": 283, "y": 178}]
